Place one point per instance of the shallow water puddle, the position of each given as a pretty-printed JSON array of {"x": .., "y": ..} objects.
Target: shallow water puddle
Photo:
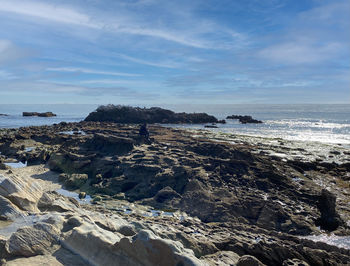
[
  {"x": 71, "y": 194},
  {"x": 17, "y": 164},
  {"x": 4, "y": 224},
  {"x": 9, "y": 227}
]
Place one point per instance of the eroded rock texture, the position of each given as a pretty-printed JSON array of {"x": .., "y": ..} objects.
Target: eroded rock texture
[{"x": 251, "y": 207}]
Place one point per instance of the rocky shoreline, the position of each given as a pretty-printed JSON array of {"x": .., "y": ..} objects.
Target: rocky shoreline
[{"x": 196, "y": 197}]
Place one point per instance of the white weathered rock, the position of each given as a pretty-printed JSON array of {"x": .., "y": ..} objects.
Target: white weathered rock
[
  {"x": 148, "y": 249},
  {"x": 52, "y": 201},
  {"x": 94, "y": 244},
  {"x": 221, "y": 258},
  {"x": 7, "y": 186},
  {"x": 30, "y": 241},
  {"x": 8, "y": 211},
  {"x": 23, "y": 192}
]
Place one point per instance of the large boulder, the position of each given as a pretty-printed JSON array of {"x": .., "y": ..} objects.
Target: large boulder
[
  {"x": 21, "y": 192},
  {"x": 103, "y": 247},
  {"x": 147, "y": 249},
  {"x": 73, "y": 181},
  {"x": 330, "y": 219},
  {"x": 127, "y": 114}
]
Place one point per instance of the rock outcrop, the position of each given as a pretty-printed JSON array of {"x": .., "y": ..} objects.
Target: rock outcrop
[
  {"x": 330, "y": 219},
  {"x": 136, "y": 115},
  {"x": 244, "y": 119},
  {"x": 45, "y": 114}
]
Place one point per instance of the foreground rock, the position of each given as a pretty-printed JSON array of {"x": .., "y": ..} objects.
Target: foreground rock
[
  {"x": 250, "y": 207},
  {"x": 127, "y": 114},
  {"x": 45, "y": 114},
  {"x": 245, "y": 119}
]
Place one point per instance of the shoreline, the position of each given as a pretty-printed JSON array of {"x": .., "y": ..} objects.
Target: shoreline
[
  {"x": 255, "y": 192},
  {"x": 320, "y": 149}
]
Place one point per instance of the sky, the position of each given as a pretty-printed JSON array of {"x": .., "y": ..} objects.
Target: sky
[{"x": 170, "y": 52}]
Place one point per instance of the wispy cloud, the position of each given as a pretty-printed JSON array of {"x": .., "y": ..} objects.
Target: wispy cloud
[
  {"x": 5, "y": 75},
  {"x": 150, "y": 63},
  {"x": 207, "y": 51},
  {"x": 123, "y": 25},
  {"x": 47, "y": 11},
  {"x": 54, "y": 89},
  {"x": 9, "y": 52},
  {"x": 120, "y": 82},
  {"x": 301, "y": 52},
  {"x": 91, "y": 71},
  {"x": 314, "y": 36}
]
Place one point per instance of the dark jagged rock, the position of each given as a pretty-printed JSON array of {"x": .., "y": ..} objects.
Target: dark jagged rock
[
  {"x": 136, "y": 115},
  {"x": 3, "y": 115},
  {"x": 330, "y": 219},
  {"x": 45, "y": 114},
  {"x": 211, "y": 126},
  {"x": 244, "y": 119}
]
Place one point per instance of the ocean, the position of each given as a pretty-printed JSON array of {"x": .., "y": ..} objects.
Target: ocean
[{"x": 326, "y": 123}]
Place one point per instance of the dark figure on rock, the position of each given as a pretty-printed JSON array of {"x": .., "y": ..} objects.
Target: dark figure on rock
[
  {"x": 144, "y": 134},
  {"x": 330, "y": 219},
  {"x": 144, "y": 131}
]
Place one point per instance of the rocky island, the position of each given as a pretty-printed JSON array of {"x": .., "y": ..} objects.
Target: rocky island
[
  {"x": 186, "y": 198},
  {"x": 45, "y": 114},
  {"x": 130, "y": 115},
  {"x": 244, "y": 119}
]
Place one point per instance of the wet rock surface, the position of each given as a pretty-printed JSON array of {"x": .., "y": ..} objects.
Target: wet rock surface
[{"x": 251, "y": 206}]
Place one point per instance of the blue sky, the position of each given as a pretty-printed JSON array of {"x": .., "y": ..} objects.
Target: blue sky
[{"x": 166, "y": 52}]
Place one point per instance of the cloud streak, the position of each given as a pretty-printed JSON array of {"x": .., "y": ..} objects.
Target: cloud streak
[
  {"x": 47, "y": 12},
  {"x": 91, "y": 71},
  {"x": 150, "y": 63},
  {"x": 70, "y": 16},
  {"x": 301, "y": 52}
]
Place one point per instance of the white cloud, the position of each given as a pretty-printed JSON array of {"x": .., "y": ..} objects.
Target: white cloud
[
  {"x": 123, "y": 22},
  {"x": 150, "y": 63},
  {"x": 90, "y": 71},
  {"x": 5, "y": 75},
  {"x": 46, "y": 11},
  {"x": 38, "y": 86},
  {"x": 120, "y": 82},
  {"x": 300, "y": 52},
  {"x": 4, "y": 45},
  {"x": 9, "y": 52}
]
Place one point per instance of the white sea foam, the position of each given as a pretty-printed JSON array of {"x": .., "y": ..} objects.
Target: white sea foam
[{"x": 338, "y": 241}]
